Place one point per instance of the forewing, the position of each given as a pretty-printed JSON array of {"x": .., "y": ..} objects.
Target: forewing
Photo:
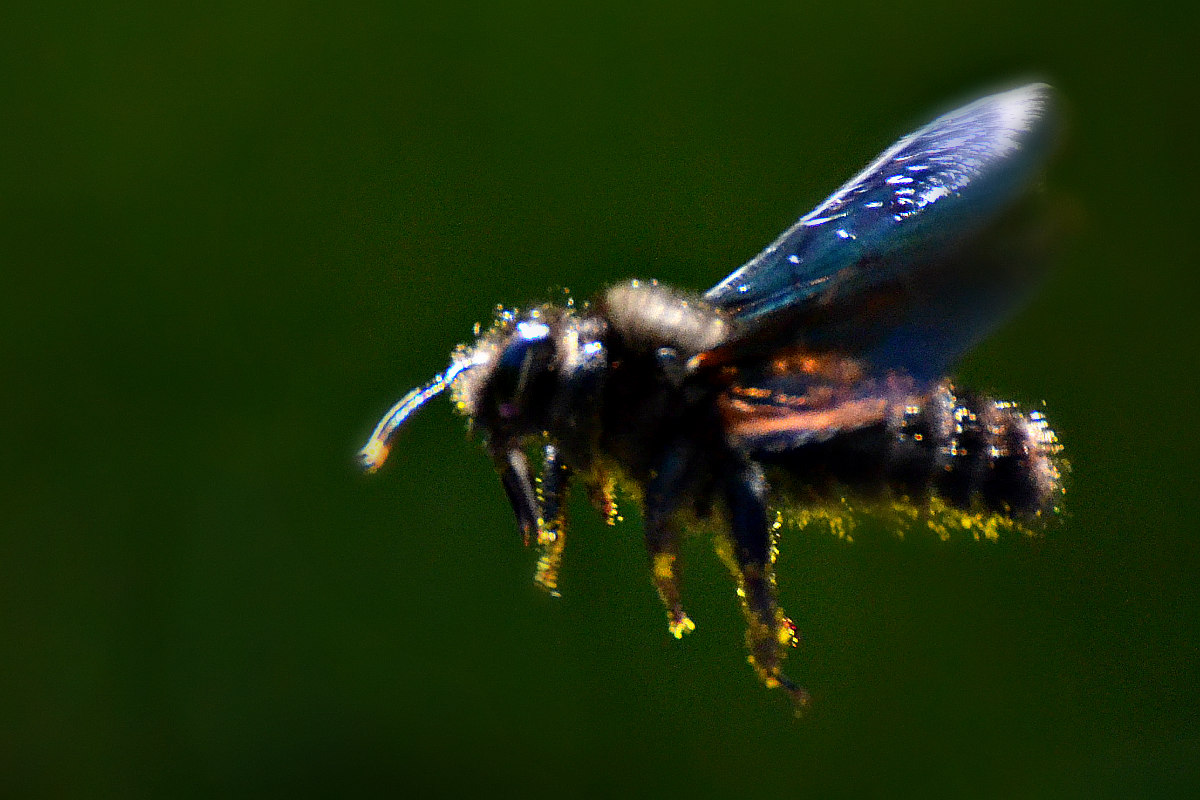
[
  {"x": 920, "y": 322},
  {"x": 918, "y": 205}
]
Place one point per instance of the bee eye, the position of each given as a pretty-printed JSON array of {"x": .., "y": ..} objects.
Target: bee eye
[{"x": 526, "y": 356}]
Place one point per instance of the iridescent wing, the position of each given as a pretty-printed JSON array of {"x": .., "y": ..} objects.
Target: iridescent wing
[{"x": 890, "y": 267}]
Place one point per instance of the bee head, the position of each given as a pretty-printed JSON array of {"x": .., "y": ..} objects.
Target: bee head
[
  {"x": 507, "y": 384},
  {"x": 508, "y": 395}
]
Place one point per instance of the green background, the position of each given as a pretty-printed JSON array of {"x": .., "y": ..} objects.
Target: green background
[{"x": 231, "y": 236}]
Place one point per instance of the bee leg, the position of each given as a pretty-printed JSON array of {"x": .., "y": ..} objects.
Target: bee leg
[
  {"x": 602, "y": 492},
  {"x": 662, "y": 536},
  {"x": 518, "y": 485},
  {"x": 751, "y": 558},
  {"x": 552, "y": 525}
]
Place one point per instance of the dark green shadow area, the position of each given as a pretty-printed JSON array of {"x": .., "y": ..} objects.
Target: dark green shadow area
[{"x": 230, "y": 237}]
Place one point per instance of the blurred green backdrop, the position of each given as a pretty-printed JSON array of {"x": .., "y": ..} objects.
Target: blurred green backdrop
[{"x": 230, "y": 236}]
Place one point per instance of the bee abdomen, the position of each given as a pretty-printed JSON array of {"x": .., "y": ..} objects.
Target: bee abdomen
[{"x": 972, "y": 450}]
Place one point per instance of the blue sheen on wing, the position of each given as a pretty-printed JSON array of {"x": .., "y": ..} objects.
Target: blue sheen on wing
[{"x": 920, "y": 199}]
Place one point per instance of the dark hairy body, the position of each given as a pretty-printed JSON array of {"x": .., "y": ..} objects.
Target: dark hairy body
[
  {"x": 690, "y": 440},
  {"x": 813, "y": 373}
]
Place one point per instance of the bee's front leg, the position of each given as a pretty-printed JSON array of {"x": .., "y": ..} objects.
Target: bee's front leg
[
  {"x": 751, "y": 557},
  {"x": 663, "y": 498},
  {"x": 552, "y": 524},
  {"x": 518, "y": 485}
]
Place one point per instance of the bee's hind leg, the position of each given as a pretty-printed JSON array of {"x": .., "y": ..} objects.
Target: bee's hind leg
[
  {"x": 750, "y": 555},
  {"x": 664, "y": 496}
]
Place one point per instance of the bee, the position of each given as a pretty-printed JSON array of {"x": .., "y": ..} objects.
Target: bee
[{"x": 813, "y": 373}]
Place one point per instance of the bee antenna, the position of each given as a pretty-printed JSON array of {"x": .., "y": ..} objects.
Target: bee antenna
[{"x": 375, "y": 451}]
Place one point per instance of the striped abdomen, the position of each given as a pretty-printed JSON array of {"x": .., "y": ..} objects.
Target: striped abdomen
[{"x": 968, "y": 450}]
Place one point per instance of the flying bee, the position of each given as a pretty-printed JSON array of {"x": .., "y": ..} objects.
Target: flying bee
[{"x": 815, "y": 372}]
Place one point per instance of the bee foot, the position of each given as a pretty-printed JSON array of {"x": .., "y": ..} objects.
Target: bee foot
[
  {"x": 799, "y": 695},
  {"x": 681, "y": 624},
  {"x": 547, "y": 579}
]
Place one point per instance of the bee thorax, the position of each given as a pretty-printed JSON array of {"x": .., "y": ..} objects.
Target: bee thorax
[{"x": 650, "y": 316}]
